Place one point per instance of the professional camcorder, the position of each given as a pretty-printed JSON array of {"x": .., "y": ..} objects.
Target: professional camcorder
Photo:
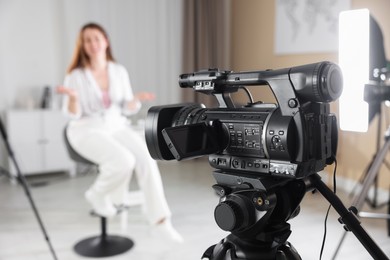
[
  {"x": 266, "y": 156},
  {"x": 291, "y": 139}
]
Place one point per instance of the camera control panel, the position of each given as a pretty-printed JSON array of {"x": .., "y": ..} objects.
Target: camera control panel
[
  {"x": 253, "y": 165},
  {"x": 245, "y": 138}
]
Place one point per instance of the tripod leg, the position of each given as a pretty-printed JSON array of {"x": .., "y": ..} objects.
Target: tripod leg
[
  {"x": 22, "y": 181},
  {"x": 348, "y": 218},
  {"x": 372, "y": 173},
  {"x": 339, "y": 246},
  {"x": 388, "y": 212}
]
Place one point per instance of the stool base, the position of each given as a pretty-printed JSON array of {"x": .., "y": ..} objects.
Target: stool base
[{"x": 99, "y": 246}]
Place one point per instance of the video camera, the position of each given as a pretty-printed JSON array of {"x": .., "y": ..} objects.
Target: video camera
[
  {"x": 291, "y": 139},
  {"x": 266, "y": 156}
]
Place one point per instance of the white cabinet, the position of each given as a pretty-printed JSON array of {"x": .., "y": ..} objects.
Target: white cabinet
[{"x": 36, "y": 137}]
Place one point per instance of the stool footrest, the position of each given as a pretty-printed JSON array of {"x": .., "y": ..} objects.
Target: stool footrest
[{"x": 119, "y": 210}]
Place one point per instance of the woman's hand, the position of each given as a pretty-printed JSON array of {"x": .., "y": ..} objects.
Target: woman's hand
[
  {"x": 135, "y": 104},
  {"x": 73, "y": 104},
  {"x": 145, "y": 96},
  {"x": 67, "y": 91}
]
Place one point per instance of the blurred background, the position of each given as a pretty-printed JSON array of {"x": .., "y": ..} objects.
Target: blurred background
[{"x": 156, "y": 40}]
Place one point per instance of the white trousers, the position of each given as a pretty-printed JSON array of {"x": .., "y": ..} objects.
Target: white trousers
[{"x": 119, "y": 150}]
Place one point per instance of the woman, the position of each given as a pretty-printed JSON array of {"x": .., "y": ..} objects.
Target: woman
[{"x": 97, "y": 95}]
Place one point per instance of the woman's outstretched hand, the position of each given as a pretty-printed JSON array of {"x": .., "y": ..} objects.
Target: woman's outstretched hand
[
  {"x": 145, "y": 96},
  {"x": 66, "y": 91},
  {"x": 73, "y": 106}
]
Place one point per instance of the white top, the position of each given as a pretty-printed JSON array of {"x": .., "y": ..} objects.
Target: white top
[{"x": 91, "y": 96}]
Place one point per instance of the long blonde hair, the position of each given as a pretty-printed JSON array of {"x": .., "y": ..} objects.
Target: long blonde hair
[{"x": 80, "y": 58}]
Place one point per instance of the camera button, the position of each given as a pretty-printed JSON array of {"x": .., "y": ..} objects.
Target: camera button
[{"x": 235, "y": 163}]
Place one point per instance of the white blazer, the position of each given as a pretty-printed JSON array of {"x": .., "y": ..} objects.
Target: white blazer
[{"x": 93, "y": 114}]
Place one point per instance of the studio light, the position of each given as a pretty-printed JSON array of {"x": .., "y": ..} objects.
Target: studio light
[{"x": 361, "y": 52}]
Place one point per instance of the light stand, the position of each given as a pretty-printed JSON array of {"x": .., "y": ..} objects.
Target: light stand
[
  {"x": 374, "y": 202},
  {"x": 374, "y": 94},
  {"x": 21, "y": 179},
  {"x": 349, "y": 218},
  {"x": 368, "y": 181}
]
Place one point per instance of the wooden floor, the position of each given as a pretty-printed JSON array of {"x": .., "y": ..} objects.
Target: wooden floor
[{"x": 65, "y": 214}]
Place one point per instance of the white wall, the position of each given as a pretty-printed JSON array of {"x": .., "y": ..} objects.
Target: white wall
[
  {"x": 146, "y": 38},
  {"x": 29, "y": 51},
  {"x": 38, "y": 37}
]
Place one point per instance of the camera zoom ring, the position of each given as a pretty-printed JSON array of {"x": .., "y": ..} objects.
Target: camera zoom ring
[
  {"x": 317, "y": 81},
  {"x": 182, "y": 114}
]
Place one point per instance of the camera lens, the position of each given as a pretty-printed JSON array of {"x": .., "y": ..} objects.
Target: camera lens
[
  {"x": 331, "y": 83},
  {"x": 317, "y": 82}
]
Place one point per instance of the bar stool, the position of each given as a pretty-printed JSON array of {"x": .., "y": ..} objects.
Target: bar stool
[{"x": 102, "y": 245}]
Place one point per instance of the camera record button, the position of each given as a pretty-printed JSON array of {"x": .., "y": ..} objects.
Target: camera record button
[
  {"x": 235, "y": 163},
  {"x": 276, "y": 141}
]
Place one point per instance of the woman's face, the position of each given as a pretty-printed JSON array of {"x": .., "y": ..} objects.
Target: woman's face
[{"x": 94, "y": 43}]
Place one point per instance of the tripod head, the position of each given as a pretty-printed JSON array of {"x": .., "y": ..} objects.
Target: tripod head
[
  {"x": 266, "y": 237},
  {"x": 255, "y": 211}
]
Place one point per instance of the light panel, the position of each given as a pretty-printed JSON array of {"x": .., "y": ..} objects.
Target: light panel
[{"x": 354, "y": 51}]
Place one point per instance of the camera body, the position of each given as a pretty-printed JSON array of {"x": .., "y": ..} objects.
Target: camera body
[{"x": 291, "y": 139}]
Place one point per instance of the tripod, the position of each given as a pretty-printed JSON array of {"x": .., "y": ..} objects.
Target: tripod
[
  {"x": 368, "y": 181},
  {"x": 374, "y": 202},
  {"x": 265, "y": 237},
  {"x": 22, "y": 181}
]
